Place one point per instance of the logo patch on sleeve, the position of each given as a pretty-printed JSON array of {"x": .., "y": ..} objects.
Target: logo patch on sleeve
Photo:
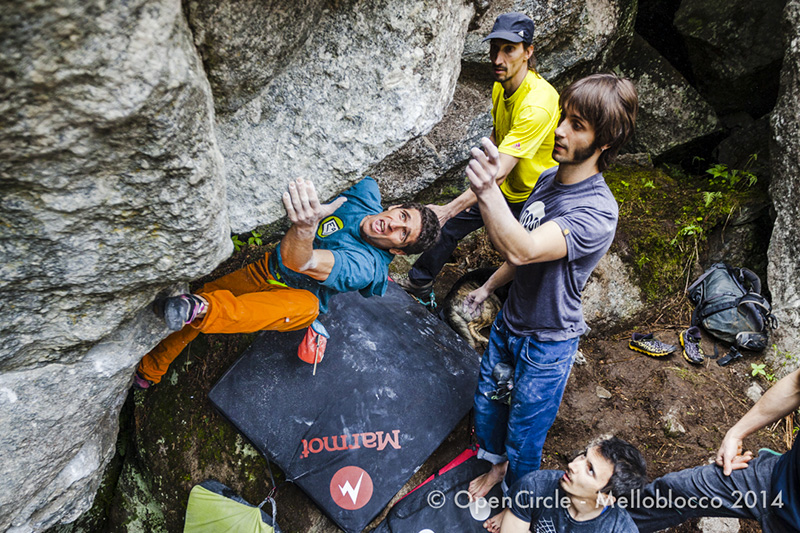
[{"x": 329, "y": 226}]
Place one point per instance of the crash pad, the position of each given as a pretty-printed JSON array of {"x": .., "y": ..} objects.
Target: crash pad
[{"x": 393, "y": 384}]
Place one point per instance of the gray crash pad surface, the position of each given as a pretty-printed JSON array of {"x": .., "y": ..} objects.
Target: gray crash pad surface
[{"x": 394, "y": 382}]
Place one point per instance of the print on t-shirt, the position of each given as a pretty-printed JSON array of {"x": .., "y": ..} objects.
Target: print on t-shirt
[{"x": 532, "y": 216}]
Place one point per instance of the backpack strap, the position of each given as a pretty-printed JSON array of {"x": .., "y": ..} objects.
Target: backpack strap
[
  {"x": 708, "y": 310},
  {"x": 751, "y": 278},
  {"x": 763, "y": 307}
]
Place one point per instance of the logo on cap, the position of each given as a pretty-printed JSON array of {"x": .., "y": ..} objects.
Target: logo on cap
[
  {"x": 351, "y": 488},
  {"x": 522, "y": 34}
]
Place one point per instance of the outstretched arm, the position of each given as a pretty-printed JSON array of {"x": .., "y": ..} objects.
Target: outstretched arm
[
  {"x": 297, "y": 246},
  {"x": 510, "y": 238},
  {"x": 467, "y": 199},
  {"x": 780, "y": 400},
  {"x": 474, "y": 300}
]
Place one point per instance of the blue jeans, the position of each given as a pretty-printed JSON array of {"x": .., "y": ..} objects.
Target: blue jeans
[
  {"x": 429, "y": 264},
  {"x": 746, "y": 493},
  {"x": 517, "y": 432}
]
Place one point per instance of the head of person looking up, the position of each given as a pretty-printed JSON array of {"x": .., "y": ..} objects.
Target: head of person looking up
[
  {"x": 511, "y": 50},
  {"x": 410, "y": 228},
  {"x": 610, "y": 467},
  {"x": 598, "y": 118}
]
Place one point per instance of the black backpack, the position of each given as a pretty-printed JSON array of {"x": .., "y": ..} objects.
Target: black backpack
[{"x": 729, "y": 306}]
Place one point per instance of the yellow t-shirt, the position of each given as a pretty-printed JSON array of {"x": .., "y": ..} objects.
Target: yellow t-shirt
[{"x": 524, "y": 127}]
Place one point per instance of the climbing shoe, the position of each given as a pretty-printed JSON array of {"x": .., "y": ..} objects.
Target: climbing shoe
[
  {"x": 422, "y": 293},
  {"x": 140, "y": 383},
  {"x": 178, "y": 311},
  {"x": 692, "y": 351},
  {"x": 646, "y": 344}
]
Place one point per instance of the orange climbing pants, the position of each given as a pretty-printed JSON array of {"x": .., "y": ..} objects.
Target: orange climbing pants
[{"x": 240, "y": 302}]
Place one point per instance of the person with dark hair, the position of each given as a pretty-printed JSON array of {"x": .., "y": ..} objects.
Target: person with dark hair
[
  {"x": 580, "y": 499},
  {"x": 524, "y": 113},
  {"x": 765, "y": 488},
  {"x": 565, "y": 227},
  {"x": 342, "y": 246}
]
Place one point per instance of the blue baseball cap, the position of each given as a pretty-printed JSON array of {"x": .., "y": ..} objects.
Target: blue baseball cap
[{"x": 512, "y": 27}]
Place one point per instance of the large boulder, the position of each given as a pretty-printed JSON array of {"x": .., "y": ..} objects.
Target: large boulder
[
  {"x": 245, "y": 44},
  {"x": 572, "y": 38},
  {"x": 734, "y": 48},
  {"x": 783, "y": 270},
  {"x": 611, "y": 297},
  {"x": 112, "y": 189},
  {"x": 671, "y": 113},
  {"x": 370, "y": 76}
]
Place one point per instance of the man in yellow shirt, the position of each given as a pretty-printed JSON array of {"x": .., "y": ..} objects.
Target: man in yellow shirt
[{"x": 525, "y": 114}]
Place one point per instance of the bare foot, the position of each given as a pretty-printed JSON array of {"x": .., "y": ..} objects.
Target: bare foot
[
  {"x": 481, "y": 485},
  {"x": 494, "y": 523}
]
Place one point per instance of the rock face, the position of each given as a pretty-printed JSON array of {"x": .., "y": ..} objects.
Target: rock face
[
  {"x": 246, "y": 44},
  {"x": 570, "y": 36},
  {"x": 610, "y": 296},
  {"x": 112, "y": 188},
  {"x": 783, "y": 270},
  {"x": 671, "y": 113},
  {"x": 734, "y": 48},
  {"x": 370, "y": 76}
]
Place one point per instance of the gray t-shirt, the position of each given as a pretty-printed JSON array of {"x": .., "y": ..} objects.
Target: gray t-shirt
[
  {"x": 545, "y": 299},
  {"x": 536, "y": 498}
]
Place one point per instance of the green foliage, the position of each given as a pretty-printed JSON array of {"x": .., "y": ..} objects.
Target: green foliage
[
  {"x": 709, "y": 197},
  {"x": 253, "y": 240},
  {"x": 689, "y": 229},
  {"x": 666, "y": 215},
  {"x": 760, "y": 370},
  {"x": 731, "y": 178}
]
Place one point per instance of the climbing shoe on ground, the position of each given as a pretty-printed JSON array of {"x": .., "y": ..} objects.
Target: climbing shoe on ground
[
  {"x": 692, "y": 351},
  {"x": 178, "y": 311},
  {"x": 423, "y": 293},
  {"x": 140, "y": 383},
  {"x": 646, "y": 344}
]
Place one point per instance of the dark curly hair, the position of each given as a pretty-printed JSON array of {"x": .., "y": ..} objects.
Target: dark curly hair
[
  {"x": 428, "y": 234},
  {"x": 630, "y": 469}
]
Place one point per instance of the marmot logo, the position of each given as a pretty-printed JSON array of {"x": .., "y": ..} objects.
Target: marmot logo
[
  {"x": 378, "y": 440},
  {"x": 329, "y": 226},
  {"x": 351, "y": 488},
  {"x": 532, "y": 216}
]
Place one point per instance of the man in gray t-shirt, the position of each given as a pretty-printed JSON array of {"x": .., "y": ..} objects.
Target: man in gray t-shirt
[{"x": 565, "y": 227}]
